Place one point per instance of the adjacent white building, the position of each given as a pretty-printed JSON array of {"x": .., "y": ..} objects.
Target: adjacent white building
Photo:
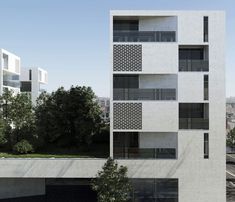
[
  {"x": 32, "y": 80},
  {"x": 9, "y": 72},
  {"x": 168, "y": 103}
]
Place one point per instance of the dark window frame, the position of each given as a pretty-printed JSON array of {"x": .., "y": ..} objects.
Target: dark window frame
[
  {"x": 205, "y": 28},
  {"x": 206, "y": 145}
]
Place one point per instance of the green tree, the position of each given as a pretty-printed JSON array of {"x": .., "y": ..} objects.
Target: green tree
[
  {"x": 18, "y": 118},
  {"x": 68, "y": 117},
  {"x": 231, "y": 138},
  {"x": 112, "y": 183}
]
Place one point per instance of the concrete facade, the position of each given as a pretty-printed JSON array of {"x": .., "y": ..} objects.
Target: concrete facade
[{"x": 199, "y": 178}]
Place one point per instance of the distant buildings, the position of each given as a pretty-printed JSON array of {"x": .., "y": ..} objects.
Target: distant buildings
[
  {"x": 17, "y": 79},
  {"x": 31, "y": 81},
  {"x": 104, "y": 104},
  {"x": 230, "y": 113},
  {"x": 9, "y": 72}
]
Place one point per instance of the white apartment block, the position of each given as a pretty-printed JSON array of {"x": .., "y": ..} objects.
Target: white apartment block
[
  {"x": 9, "y": 72},
  {"x": 32, "y": 80},
  {"x": 168, "y": 103}
]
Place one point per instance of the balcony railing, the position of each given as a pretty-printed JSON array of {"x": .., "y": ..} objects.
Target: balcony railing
[
  {"x": 14, "y": 84},
  {"x": 193, "y": 65},
  {"x": 143, "y": 94},
  {"x": 194, "y": 123},
  {"x": 144, "y": 36},
  {"x": 145, "y": 153}
]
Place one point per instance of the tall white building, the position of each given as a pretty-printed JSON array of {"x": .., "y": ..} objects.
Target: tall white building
[
  {"x": 9, "y": 72},
  {"x": 168, "y": 103},
  {"x": 32, "y": 80}
]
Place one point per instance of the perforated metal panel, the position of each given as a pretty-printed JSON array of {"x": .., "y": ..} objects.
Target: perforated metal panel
[
  {"x": 127, "y": 115},
  {"x": 127, "y": 58}
]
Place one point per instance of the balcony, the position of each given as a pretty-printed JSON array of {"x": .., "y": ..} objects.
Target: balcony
[
  {"x": 144, "y": 36},
  {"x": 145, "y": 153},
  {"x": 143, "y": 94},
  {"x": 194, "y": 123},
  {"x": 14, "y": 84},
  {"x": 194, "y": 65}
]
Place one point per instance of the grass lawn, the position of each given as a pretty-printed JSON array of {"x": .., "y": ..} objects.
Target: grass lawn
[{"x": 95, "y": 151}]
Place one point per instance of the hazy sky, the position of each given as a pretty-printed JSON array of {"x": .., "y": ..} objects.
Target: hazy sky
[{"x": 70, "y": 38}]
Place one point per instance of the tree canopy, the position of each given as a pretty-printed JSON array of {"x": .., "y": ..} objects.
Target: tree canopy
[
  {"x": 112, "y": 183},
  {"x": 68, "y": 117}
]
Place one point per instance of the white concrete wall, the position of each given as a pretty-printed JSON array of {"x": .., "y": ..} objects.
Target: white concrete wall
[
  {"x": 190, "y": 28},
  {"x": 19, "y": 187},
  {"x": 158, "y": 81},
  {"x": 12, "y": 62},
  {"x": 158, "y": 140},
  {"x": 161, "y": 58},
  {"x": 191, "y": 87},
  {"x": 160, "y": 116}
]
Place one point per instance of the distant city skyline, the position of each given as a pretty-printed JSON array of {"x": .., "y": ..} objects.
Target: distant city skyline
[{"x": 70, "y": 39}]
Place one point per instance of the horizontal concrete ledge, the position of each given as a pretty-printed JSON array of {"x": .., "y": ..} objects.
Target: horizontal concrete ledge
[
  {"x": 50, "y": 168},
  {"x": 88, "y": 168}
]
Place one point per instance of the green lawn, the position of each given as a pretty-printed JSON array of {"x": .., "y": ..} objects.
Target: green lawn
[{"x": 95, "y": 151}]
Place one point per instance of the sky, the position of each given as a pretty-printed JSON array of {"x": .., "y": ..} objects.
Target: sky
[{"x": 70, "y": 38}]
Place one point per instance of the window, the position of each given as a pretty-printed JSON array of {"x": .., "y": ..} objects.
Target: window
[
  {"x": 206, "y": 145},
  {"x": 30, "y": 74},
  {"x": 193, "y": 58},
  {"x": 154, "y": 190},
  {"x": 206, "y": 85},
  {"x": 125, "y": 25},
  {"x": 5, "y": 61},
  {"x": 191, "y": 54},
  {"x": 205, "y": 25},
  {"x": 26, "y": 86},
  {"x": 194, "y": 116},
  {"x": 125, "y": 81}
]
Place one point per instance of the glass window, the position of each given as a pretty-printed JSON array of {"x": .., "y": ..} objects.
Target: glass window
[
  {"x": 206, "y": 85},
  {"x": 125, "y": 25},
  {"x": 155, "y": 190},
  {"x": 30, "y": 74},
  {"x": 206, "y": 28},
  {"x": 125, "y": 81},
  {"x": 191, "y": 54},
  {"x": 206, "y": 145}
]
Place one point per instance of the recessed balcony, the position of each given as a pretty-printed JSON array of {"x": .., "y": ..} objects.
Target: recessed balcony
[
  {"x": 194, "y": 123},
  {"x": 145, "y": 153},
  {"x": 144, "y": 29},
  {"x": 134, "y": 145},
  {"x": 143, "y": 94},
  {"x": 144, "y": 87},
  {"x": 144, "y": 36},
  {"x": 193, "y": 58},
  {"x": 193, "y": 65},
  {"x": 194, "y": 116}
]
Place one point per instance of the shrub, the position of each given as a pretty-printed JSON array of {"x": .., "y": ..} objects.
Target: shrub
[{"x": 23, "y": 147}]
